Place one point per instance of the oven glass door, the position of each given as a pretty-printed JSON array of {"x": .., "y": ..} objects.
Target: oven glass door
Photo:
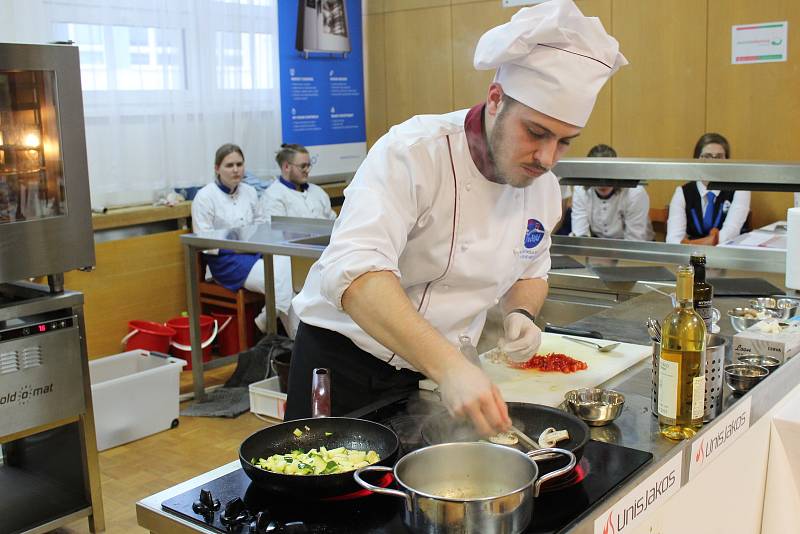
[{"x": 31, "y": 165}]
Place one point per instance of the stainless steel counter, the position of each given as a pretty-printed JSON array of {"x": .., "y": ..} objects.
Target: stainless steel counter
[{"x": 635, "y": 428}]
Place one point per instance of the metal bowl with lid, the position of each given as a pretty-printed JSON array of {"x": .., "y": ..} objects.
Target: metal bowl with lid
[{"x": 780, "y": 307}]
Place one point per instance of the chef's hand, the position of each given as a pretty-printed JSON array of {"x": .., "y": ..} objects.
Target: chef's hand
[
  {"x": 467, "y": 391},
  {"x": 522, "y": 337}
]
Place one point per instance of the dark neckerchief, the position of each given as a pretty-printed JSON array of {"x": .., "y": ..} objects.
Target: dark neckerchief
[
  {"x": 476, "y": 140},
  {"x": 601, "y": 197},
  {"x": 224, "y": 188},
  {"x": 293, "y": 186}
]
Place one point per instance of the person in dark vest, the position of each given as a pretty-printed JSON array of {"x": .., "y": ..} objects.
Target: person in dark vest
[{"x": 700, "y": 216}]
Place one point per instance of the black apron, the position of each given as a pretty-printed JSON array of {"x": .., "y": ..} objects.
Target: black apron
[{"x": 357, "y": 377}]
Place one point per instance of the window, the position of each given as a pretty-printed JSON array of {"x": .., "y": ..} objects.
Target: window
[{"x": 244, "y": 61}]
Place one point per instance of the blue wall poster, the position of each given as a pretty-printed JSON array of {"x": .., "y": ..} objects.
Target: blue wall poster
[{"x": 322, "y": 81}]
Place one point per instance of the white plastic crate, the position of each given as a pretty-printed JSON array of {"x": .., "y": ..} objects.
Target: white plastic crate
[
  {"x": 134, "y": 394},
  {"x": 266, "y": 398}
]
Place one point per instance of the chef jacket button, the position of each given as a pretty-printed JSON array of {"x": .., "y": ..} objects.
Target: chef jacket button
[
  {"x": 496, "y": 301},
  {"x": 464, "y": 246},
  {"x": 468, "y": 187}
]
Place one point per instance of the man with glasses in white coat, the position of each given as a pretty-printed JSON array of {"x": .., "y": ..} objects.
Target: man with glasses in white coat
[{"x": 447, "y": 216}]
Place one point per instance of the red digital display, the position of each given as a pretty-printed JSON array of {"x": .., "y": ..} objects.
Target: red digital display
[{"x": 42, "y": 328}]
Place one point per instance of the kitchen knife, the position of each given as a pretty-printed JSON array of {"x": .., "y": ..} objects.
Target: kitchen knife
[
  {"x": 572, "y": 331},
  {"x": 469, "y": 351}
]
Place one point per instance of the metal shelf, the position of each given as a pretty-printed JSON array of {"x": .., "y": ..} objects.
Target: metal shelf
[{"x": 722, "y": 174}]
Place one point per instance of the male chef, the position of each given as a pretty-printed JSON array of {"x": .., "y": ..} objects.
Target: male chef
[{"x": 448, "y": 216}]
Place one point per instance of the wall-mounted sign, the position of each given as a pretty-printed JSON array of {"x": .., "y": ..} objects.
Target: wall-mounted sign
[
  {"x": 650, "y": 494},
  {"x": 759, "y": 43},
  {"x": 322, "y": 81}
]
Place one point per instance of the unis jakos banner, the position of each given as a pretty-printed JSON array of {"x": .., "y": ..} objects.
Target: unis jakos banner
[{"x": 322, "y": 81}]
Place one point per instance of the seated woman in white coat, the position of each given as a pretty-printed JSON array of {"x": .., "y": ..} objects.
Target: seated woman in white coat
[
  {"x": 291, "y": 195},
  {"x": 699, "y": 216},
  {"x": 611, "y": 212},
  {"x": 227, "y": 202}
]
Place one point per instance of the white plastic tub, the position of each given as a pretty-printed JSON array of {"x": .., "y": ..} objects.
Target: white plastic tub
[
  {"x": 266, "y": 398},
  {"x": 134, "y": 394}
]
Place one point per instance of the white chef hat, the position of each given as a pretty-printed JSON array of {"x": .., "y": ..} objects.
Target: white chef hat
[{"x": 551, "y": 58}]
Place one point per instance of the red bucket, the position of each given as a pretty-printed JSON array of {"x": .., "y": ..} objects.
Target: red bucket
[
  {"x": 228, "y": 335},
  {"x": 181, "y": 344},
  {"x": 147, "y": 335}
]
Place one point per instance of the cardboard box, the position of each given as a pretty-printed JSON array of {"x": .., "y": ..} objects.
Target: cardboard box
[{"x": 781, "y": 345}]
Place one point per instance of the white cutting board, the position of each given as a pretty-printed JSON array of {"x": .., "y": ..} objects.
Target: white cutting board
[{"x": 537, "y": 387}]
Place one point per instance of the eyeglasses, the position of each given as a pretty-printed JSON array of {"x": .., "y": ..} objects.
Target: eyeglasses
[
  {"x": 303, "y": 167},
  {"x": 712, "y": 156}
]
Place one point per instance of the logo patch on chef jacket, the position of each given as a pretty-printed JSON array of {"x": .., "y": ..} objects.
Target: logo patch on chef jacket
[
  {"x": 534, "y": 233},
  {"x": 726, "y": 206}
]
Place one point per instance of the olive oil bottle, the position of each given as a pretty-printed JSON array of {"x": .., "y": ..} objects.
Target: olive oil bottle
[
  {"x": 681, "y": 368},
  {"x": 703, "y": 291}
]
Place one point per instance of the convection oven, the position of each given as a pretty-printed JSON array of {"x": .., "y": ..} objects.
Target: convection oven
[{"x": 48, "y": 452}]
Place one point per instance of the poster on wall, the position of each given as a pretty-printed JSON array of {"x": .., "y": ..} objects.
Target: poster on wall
[
  {"x": 759, "y": 43},
  {"x": 322, "y": 82}
]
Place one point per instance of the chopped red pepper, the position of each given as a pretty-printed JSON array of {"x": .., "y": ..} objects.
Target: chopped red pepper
[{"x": 551, "y": 363}]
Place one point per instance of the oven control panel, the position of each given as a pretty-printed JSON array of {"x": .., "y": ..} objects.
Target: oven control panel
[{"x": 33, "y": 329}]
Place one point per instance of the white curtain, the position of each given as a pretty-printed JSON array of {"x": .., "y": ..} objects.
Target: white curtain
[{"x": 165, "y": 82}]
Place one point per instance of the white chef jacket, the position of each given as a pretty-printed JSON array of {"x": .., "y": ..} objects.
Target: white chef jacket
[
  {"x": 313, "y": 203},
  {"x": 456, "y": 241},
  {"x": 213, "y": 209},
  {"x": 797, "y": 200},
  {"x": 624, "y": 215},
  {"x": 734, "y": 220}
]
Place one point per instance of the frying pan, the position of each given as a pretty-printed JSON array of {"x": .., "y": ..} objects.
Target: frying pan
[
  {"x": 532, "y": 419},
  {"x": 357, "y": 434}
]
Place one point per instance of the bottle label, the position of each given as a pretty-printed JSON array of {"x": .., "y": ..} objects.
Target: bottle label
[
  {"x": 703, "y": 309},
  {"x": 668, "y": 388},
  {"x": 698, "y": 396}
]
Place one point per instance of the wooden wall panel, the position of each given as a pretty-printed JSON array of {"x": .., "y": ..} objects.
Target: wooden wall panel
[
  {"x": 757, "y": 107},
  {"x": 470, "y": 21},
  {"x": 658, "y": 101},
  {"x": 419, "y": 63},
  {"x": 375, "y": 76},
  {"x": 136, "y": 278}
]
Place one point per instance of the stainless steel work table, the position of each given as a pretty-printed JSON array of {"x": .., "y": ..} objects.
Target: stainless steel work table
[{"x": 283, "y": 235}]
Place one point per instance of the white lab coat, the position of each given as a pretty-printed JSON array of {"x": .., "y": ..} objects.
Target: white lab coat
[
  {"x": 456, "y": 241},
  {"x": 625, "y": 215},
  {"x": 734, "y": 220},
  {"x": 312, "y": 203}
]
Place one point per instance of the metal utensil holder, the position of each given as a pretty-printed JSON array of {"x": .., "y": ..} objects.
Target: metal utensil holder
[{"x": 715, "y": 362}]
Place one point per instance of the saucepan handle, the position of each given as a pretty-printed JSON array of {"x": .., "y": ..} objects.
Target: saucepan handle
[
  {"x": 377, "y": 489},
  {"x": 558, "y": 472}
]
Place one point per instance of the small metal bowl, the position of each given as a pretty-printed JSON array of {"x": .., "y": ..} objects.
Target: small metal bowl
[
  {"x": 743, "y": 318},
  {"x": 761, "y": 303},
  {"x": 767, "y": 362},
  {"x": 787, "y": 307},
  {"x": 742, "y": 377},
  {"x": 596, "y": 406}
]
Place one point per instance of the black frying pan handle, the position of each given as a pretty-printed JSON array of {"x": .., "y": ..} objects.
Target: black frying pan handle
[{"x": 552, "y": 329}]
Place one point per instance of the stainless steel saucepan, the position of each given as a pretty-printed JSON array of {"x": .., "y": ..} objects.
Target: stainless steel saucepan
[{"x": 473, "y": 487}]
